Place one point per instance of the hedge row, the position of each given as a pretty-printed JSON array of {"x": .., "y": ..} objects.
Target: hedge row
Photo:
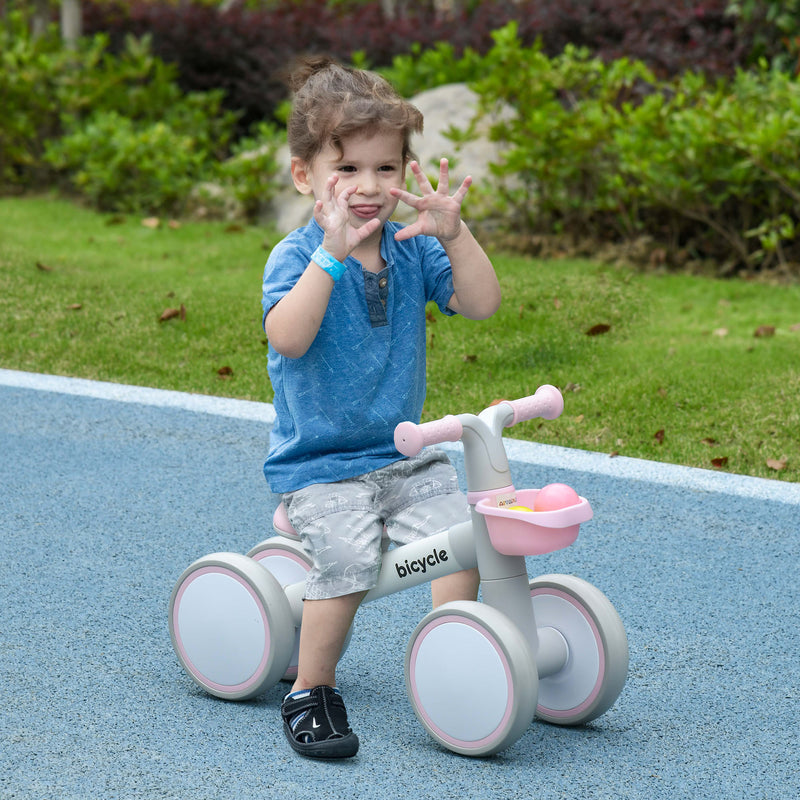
[
  {"x": 705, "y": 166},
  {"x": 245, "y": 51},
  {"x": 707, "y": 170}
]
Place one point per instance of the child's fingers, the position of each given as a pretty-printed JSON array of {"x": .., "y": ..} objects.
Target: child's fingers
[
  {"x": 409, "y": 232},
  {"x": 421, "y": 178},
  {"x": 330, "y": 186},
  {"x": 462, "y": 190},
  {"x": 368, "y": 229},
  {"x": 444, "y": 176},
  {"x": 405, "y": 197}
]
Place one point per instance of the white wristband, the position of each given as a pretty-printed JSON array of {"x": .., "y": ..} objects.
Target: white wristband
[{"x": 324, "y": 260}]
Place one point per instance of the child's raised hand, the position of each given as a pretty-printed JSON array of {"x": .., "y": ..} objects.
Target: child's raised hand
[
  {"x": 331, "y": 212},
  {"x": 439, "y": 214}
]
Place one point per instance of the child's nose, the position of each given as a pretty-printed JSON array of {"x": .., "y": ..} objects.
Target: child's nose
[{"x": 368, "y": 184}]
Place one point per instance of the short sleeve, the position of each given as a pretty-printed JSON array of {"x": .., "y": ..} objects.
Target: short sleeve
[{"x": 286, "y": 263}]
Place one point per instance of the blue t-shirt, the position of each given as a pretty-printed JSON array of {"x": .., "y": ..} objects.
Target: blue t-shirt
[{"x": 337, "y": 406}]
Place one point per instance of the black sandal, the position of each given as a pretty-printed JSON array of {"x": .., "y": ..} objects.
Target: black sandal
[{"x": 315, "y": 723}]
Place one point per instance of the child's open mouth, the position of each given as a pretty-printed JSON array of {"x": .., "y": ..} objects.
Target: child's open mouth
[{"x": 365, "y": 211}]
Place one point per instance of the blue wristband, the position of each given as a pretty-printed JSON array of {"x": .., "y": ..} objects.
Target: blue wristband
[{"x": 324, "y": 260}]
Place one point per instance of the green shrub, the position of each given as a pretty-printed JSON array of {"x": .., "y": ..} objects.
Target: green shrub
[
  {"x": 560, "y": 138},
  {"x": 708, "y": 170},
  {"x": 132, "y": 141},
  {"x": 249, "y": 173},
  {"x": 722, "y": 162},
  {"x": 29, "y": 74},
  {"x": 420, "y": 70},
  {"x": 772, "y": 28},
  {"x": 121, "y": 165},
  {"x": 118, "y": 129}
]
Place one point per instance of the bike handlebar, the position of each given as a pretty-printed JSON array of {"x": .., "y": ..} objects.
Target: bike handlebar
[
  {"x": 409, "y": 438},
  {"x": 547, "y": 403}
]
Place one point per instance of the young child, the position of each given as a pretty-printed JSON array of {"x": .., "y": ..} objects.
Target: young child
[{"x": 344, "y": 312}]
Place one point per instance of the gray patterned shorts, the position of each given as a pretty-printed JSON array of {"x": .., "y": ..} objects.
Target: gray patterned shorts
[{"x": 341, "y": 524}]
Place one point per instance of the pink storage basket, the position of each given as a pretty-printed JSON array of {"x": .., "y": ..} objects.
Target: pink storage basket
[{"x": 529, "y": 533}]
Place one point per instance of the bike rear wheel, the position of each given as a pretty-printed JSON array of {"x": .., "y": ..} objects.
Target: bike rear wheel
[{"x": 231, "y": 626}]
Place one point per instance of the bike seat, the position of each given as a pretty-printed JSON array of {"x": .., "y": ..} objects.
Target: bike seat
[{"x": 280, "y": 521}]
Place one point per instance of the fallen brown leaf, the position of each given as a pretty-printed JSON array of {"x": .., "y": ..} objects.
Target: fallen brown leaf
[
  {"x": 75, "y": 306},
  {"x": 171, "y": 313},
  {"x": 234, "y": 227},
  {"x": 469, "y": 358},
  {"x": 43, "y": 267},
  {"x": 794, "y": 328},
  {"x": 174, "y": 224},
  {"x": 430, "y": 316},
  {"x": 556, "y": 303},
  {"x": 709, "y": 441},
  {"x": 720, "y": 332},
  {"x": 659, "y": 435},
  {"x": 225, "y": 372},
  {"x": 597, "y": 330},
  {"x": 720, "y": 462},
  {"x": 763, "y": 331},
  {"x": 151, "y": 222},
  {"x": 777, "y": 464}
]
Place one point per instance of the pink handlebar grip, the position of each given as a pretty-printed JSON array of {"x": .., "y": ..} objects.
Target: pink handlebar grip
[
  {"x": 547, "y": 403},
  {"x": 409, "y": 438}
]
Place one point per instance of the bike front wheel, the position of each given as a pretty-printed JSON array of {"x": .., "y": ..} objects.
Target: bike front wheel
[{"x": 470, "y": 678}]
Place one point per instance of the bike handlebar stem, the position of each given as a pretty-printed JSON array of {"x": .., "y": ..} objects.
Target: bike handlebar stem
[
  {"x": 485, "y": 460},
  {"x": 484, "y": 453}
]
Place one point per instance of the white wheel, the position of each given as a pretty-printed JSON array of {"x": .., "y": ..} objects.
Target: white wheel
[
  {"x": 231, "y": 626},
  {"x": 470, "y": 678},
  {"x": 289, "y": 563},
  {"x": 596, "y": 665},
  {"x": 284, "y": 558}
]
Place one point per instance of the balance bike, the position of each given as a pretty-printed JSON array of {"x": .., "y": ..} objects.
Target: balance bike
[{"x": 477, "y": 673}]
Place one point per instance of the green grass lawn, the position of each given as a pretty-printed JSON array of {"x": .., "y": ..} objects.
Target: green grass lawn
[{"x": 678, "y": 375}]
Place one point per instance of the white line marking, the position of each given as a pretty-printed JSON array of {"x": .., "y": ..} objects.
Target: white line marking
[{"x": 545, "y": 455}]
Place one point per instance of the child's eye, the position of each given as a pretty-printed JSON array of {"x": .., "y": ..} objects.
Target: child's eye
[
  {"x": 387, "y": 168},
  {"x": 347, "y": 168}
]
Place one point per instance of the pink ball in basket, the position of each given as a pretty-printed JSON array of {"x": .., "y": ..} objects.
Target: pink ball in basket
[{"x": 555, "y": 496}]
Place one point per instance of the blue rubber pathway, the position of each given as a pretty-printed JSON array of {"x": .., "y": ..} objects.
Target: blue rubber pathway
[{"x": 108, "y": 492}]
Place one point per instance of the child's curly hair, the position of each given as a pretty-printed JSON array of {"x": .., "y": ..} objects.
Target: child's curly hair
[{"x": 332, "y": 102}]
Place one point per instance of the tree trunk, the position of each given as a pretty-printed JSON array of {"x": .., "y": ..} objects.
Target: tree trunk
[
  {"x": 71, "y": 22},
  {"x": 444, "y": 8},
  {"x": 40, "y": 18}
]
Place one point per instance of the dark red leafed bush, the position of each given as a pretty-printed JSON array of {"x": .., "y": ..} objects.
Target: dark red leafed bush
[{"x": 246, "y": 52}]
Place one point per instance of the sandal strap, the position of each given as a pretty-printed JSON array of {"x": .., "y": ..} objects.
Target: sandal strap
[{"x": 316, "y": 717}]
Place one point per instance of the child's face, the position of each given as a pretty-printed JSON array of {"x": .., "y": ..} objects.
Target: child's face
[{"x": 372, "y": 162}]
